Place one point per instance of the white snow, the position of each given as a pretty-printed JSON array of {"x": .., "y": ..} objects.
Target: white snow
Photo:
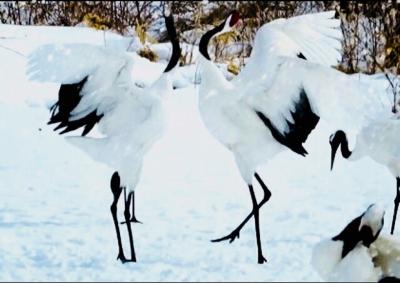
[{"x": 55, "y": 222}]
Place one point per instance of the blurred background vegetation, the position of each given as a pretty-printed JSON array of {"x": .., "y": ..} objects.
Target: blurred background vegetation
[{"x": 371, "y": 28}]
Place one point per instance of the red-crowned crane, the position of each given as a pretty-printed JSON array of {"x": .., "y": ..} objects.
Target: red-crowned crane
[
  {"x": 361, "y": 252},
  {"x": 347, "y": 257},
  {"x": 278, "y": 98},
  {"x": 97, "y": 88},
  {"x": 379, "y": 140}
]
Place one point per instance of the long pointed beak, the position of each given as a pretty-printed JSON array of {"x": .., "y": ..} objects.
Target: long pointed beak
[{"x": 333, "y": 154}]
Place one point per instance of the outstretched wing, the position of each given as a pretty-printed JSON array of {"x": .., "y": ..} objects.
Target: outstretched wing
[
  {"x": 301, "y": 92},
  {"x": 64, "y": 63},
  {"x": 313, "y": 37},
  {"x": 93, "y": 80},
  {"x": 316, "y": 37}
]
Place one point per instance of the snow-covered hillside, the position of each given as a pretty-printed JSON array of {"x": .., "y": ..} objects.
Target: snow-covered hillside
[{"x": 55, "y": 222}]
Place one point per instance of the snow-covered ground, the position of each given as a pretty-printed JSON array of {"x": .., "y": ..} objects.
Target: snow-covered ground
[{"x": 55, "y": 222}]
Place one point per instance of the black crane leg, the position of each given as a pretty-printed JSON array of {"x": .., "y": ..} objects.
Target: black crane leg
[
  {"x": 116, "y": 190},
  {"x": 236, "y": 232},
  {"x": 396, "y": 204},
  {"x": 128, "y": 225}
]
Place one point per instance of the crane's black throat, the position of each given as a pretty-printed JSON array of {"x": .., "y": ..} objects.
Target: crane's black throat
[{"x": 336, "y": 140}]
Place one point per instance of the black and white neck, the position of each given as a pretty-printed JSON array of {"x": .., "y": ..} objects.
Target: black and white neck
[
  {"x": 205, "y": 39},
  {"x": 163, "y": 85},
  {"x": 336, "y": 140},
  {"x": 173, "y": 37},
  {"x": 364, "y": 229},
  {"x": 224, "y": 27}
]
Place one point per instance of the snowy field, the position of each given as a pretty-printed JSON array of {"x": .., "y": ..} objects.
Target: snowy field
[{"x": 55, "y": 222}]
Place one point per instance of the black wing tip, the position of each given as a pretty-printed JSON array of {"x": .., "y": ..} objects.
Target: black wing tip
[
  {"x": 301, "y": 56},
  {"x": 93, "y": 119},
  {"x": 304, "y": 152},
  {"x": 304, "y": 121},
  {"x": 88, "y": 122},
  {"x": 69, "y": 96}
]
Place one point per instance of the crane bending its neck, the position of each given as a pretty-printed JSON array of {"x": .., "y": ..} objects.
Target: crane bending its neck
[{"x": 336, "y": 140}]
